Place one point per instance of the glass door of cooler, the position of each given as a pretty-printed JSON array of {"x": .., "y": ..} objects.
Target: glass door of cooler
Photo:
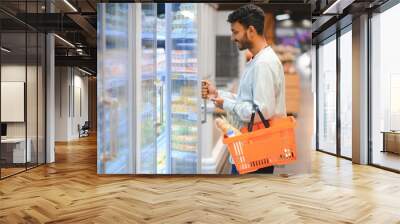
[
  {"x": 182, "y": 68},
  {"x": 147, "y": 105},
  {"x": 162, "y": 108},
  {"x": 114, "y": 88}
]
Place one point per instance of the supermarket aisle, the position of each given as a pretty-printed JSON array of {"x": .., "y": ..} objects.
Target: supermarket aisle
[{"x": 75, "y": 193}]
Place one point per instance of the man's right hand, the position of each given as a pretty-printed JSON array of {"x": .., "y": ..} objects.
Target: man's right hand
[{"x": 208, "y": 90}]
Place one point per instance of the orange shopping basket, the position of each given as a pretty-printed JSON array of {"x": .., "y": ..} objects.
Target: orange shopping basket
[{"x": 274, "y": 144}]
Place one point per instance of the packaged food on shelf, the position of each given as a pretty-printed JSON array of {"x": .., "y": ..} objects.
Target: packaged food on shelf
[
  {"x": 161, "y": 158},
  {"x": 183, "y": 122},
  {"x": 184, "y": 147},
  {"x": 187, "y": 6},
  {"x": 182, "y": 130},
  {"x": 185, "y": 139},
  {"x": 161, "y": 28},
  {"x": 183, "y": 69},
  {"x": 186, "y": 105},
  {"x": 189, "y": 91},
  {"x": 184, "y": 60},
  {"x": 182, "y": 108}
]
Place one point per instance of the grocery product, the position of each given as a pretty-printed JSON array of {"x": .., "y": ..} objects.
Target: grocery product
[
  {"x": 225, "y": 127},
  {"x": 183, "y": 147},
  {"x": 161, "y": 159},
  {"x": 230, "y": 133}
]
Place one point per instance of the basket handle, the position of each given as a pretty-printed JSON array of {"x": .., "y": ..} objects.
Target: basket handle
[{"x": 265, "y": 122}]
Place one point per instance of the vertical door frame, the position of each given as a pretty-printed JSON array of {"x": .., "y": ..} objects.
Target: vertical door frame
[
  {"x": 326, "y": 40},
  {"x": 168, "y": 81},
  {"x": 200, "y": 63},
  {"x": 339, "y": 32},
  {"x": 135, "y": 49},
  {"x": 154, "y": 9}
]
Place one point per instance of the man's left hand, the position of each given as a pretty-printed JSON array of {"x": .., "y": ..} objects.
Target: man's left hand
[{"x": 219, "y": 102}]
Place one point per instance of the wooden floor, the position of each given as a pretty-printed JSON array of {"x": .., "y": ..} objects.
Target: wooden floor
[
  {"x": 5, "y": 172},
  {"x": 387, "y": 159},
  {"x": 70, "y": 191},
  {"x": 9, "y": 171}
]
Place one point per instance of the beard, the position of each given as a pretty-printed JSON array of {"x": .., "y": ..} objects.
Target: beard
[{"x": 244, "y": 43}]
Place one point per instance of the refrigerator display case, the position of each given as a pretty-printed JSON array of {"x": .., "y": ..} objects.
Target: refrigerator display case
[
  {"x": 114, "y": 89},
  {"x": 184, "y": 81},
  {"x": 163, "y": 161},
  {"x": 146, "y": 155},
  {"x": 150, "y": 121}
]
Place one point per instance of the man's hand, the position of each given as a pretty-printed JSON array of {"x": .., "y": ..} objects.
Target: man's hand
[
  {"x": 208, "y": 90},
  {"x": 219, "y": 102}
]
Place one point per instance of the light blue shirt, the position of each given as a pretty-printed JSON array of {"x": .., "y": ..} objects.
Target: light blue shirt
[{"x": 262, "y": 83}]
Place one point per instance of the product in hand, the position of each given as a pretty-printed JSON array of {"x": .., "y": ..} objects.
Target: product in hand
[{"x": 226, "y": 128}]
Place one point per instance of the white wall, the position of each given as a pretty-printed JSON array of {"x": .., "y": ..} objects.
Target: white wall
[
  {"x": 12, "y": 73},
  {"x": 33, "y": 126},
  {"x": 70, "y": 83},
  {"x": 13, "y": 101},
  {"x": 80, "y": 83},
  {"x": 61, "y": 103}
]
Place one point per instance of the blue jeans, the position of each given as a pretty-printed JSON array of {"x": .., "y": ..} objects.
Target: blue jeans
[{"x": 269, "y": 169}]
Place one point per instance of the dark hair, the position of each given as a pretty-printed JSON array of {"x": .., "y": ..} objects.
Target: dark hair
[{"x": 249, "y": 15}]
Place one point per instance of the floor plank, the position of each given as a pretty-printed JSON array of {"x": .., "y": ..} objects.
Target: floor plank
[{"x": 70, "y": 191}]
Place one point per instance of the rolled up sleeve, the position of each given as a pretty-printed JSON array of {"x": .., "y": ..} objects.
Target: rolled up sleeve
[
  {"x": 229, "y": 99},
  {"x": 242, "y": 109}
]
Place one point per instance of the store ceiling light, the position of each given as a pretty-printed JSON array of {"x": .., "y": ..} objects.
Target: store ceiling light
[
  {"x": 306, "y": 23},
  {"x": 5, "y": 50},
  {"x": 287, "y": 23},
  {"x": 282, "y": 17},
  {"x": 84, "y": 71},
  {"x": 188, "y": 14},
  {"x": 65, "y": 41},
  {"x": 70, "y": 5}
]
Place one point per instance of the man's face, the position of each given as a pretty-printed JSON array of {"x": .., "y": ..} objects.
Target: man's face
[{"x": 240, "y": 36}]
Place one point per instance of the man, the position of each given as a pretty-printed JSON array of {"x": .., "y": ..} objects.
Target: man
[{"x": 263, "y": 81}]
